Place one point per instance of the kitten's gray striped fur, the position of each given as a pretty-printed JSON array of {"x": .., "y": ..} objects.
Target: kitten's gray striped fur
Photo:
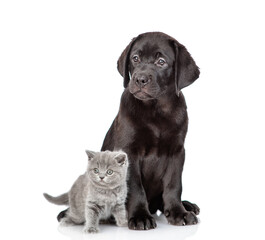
[{"x": 97, "y": 194}]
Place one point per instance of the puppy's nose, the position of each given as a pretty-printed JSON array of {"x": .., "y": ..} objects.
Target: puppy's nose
[{"x": 142, "y": 80}]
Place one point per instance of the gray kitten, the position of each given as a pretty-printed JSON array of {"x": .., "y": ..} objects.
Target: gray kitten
[{"x": 97, "y": 194}]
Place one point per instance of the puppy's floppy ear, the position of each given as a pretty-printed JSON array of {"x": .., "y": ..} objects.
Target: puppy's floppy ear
[
  {"x": 123, "y": 63},
  {"x": 186, "y": 70}
]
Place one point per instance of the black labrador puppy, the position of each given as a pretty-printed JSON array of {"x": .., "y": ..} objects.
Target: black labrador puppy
[{"x": 151, "y": 127}]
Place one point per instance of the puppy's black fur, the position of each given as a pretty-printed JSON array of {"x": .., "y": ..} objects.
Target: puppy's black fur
[{"x": 151, "y": 127}]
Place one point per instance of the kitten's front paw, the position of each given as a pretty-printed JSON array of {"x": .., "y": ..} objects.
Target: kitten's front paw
[
  {"x": 90, "y": 230},
  {"x": 122, "y": 223}
]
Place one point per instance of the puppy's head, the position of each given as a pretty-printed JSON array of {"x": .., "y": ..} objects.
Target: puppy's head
[{"x": 154, "y": 63}]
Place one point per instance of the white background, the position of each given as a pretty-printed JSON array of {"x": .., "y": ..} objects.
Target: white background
[{"x": 60, "y": 91}]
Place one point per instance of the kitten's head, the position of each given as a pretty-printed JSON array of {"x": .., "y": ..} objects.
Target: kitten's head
[{"x": 107, "y": 169}]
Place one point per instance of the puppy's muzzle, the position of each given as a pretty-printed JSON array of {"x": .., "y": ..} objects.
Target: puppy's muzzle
[{"x": 142, "y": 79}]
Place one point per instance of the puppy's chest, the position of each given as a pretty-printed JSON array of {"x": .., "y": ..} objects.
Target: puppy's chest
[
  {"x": 154, "y": 130},
  {"x": 152, "y": 141},
  {"x": 155, "y": 140},
  {"x": 158, "y": 133},
  {"x": 159, "y": 123}
]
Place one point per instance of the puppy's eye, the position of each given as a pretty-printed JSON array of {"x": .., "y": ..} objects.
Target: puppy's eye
[
  {"x": 109, "y": 171},
  {"x": 136, "y": 58},
  {"x": 161, "y": 61},
  {"x": 96, "y": 171}
]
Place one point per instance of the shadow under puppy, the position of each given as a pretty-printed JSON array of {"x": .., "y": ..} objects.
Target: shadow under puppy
[{"x": 97, "y": 194}]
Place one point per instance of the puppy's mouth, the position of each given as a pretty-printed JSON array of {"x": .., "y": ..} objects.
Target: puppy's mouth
[{"x": 141, "y": 95}]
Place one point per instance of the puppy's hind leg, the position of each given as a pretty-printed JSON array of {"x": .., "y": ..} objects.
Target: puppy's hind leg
[
  {"x": 192, "y": 207},
  {"x": 62, "y": 214}
]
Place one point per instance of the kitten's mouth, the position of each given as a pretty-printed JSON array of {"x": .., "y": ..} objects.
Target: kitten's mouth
[
  {"x": 102, "y": 182},
  {"x": 102, "y": 185}
]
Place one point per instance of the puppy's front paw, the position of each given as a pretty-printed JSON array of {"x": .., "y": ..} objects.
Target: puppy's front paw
[
  {"x": 141, "y": 221},
  {"x": 91, "y": 230},
  {"x": 180, "y": 218}
]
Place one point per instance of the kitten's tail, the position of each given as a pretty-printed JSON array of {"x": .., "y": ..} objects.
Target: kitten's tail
[{"x": 60, "y": 200}]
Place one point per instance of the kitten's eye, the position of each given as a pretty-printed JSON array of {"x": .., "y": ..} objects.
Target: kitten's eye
[
  {"x": 96, "y": 170},
  {"x": 161, "y": 61},
  {"x": 136, "y": 58},
  {"x": 109, "y": 172}
]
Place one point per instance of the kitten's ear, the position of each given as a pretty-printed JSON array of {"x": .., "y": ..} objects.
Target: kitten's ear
[
  {"x": 121, "y": 158},
  {"x": 90, "y": 154}
]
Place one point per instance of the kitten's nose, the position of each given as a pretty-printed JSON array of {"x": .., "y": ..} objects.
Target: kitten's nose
[{"x": 101, "y": 178}]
